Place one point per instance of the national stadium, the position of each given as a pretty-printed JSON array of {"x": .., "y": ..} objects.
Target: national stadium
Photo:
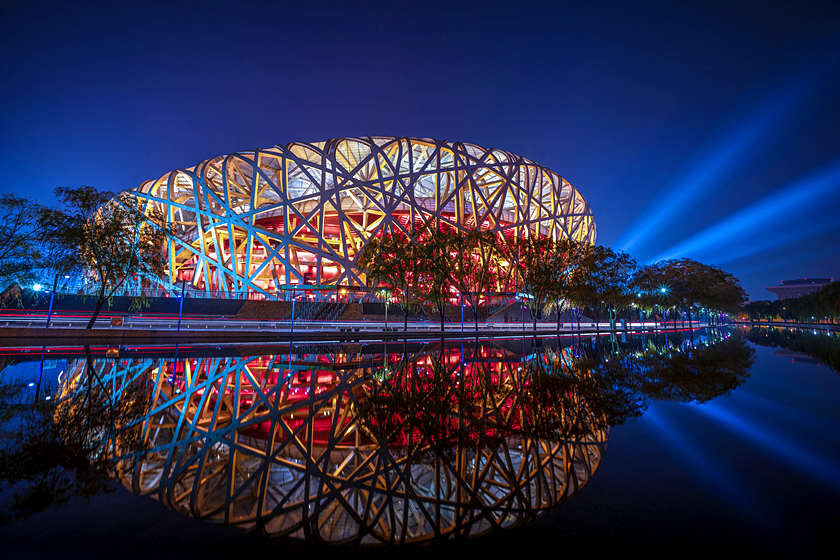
[{"x": 256, "y": 224}]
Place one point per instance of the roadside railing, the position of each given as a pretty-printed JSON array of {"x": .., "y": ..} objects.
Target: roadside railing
[{"x": 59, "y": 321}]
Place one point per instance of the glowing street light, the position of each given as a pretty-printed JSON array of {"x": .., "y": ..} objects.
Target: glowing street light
[{"x": 37, "y": 287}]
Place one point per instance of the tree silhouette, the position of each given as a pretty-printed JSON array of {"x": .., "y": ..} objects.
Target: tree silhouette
[
  {"x": 107, "y": 239},
  {"x": 396, "y": 262}
]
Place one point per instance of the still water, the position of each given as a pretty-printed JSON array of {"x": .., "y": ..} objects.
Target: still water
[{"x": 683, "y": 442}]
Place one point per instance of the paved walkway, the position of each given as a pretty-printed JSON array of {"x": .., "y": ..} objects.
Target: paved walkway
[{"x": 26, "y": 330}]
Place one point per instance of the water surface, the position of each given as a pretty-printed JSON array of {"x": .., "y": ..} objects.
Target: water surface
[{"x": 708, "y": 440}]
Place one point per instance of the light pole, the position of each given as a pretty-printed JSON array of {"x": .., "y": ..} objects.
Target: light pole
[
  {"x": 52, "y": 299},
  {"x": 181, "y": 303},
  {"x": 180, "y": 312},
  {"x": 293, "y": 324},
  {"x": 386, "y": 296},
  {"x": 664, "y": 290},
  {"x": 44, "y": 348}
]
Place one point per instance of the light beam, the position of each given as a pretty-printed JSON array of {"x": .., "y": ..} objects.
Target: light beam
[
  {"x": 705, "y": 173},
  {"x": 704, "y": 466},
  {"x": 767, "y": 213},
  {"x": 779, "y": 446}
]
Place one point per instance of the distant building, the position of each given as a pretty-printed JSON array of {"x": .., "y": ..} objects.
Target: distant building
[{"x": 801, "y": 287}]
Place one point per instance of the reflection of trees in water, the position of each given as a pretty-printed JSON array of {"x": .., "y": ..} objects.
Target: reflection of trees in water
[
  {"x": 683, "y": 370},
  {"x": 698, "y": 373},
  {"x": 440, "y": 401},
  {"x": 403, "y": 447},
  {"x": 56, "y": 450},
  {"x": 823, "y": 346}
]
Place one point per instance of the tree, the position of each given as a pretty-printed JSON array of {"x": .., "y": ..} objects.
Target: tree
[
  {"x": 533, "y": 259},
  {"x": 59, "y": 449},
  {"x": 473, "y": 266},
  {"x": 821, "y": 306},
  {"x": 108, "y": 239},
  {"x": 428, "y": 264},
  {"x": 828, "y": 300},
  {"x": 649, "y": 285},
  {"x": 21, "y": 235},
  {"x": 608, "y": 280},
  {"x": 570, "y": 270},
  {"x": 436, "y": 251},
  {"x": 394, "y": 260},
  {"x": 685, "y": 283}
]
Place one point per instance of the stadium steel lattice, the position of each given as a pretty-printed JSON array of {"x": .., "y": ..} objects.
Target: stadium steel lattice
[
  {"x": 257, "y": 222},
  {"x": 288, "y": 445}
]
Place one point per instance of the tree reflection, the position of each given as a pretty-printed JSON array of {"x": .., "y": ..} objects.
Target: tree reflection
[
  {"x": 556, "y": 394},
  {"x": 698, "y": 373},
  {"x": 56, "y": 450},
  {"x": 435, "y": 404},
  {"x": 820, "y": 345}
]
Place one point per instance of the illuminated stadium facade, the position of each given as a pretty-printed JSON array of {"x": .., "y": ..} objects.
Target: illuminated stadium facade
[{"x": 257, "y": 223}]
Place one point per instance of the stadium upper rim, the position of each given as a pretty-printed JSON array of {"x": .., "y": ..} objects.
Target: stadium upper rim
[{"x": 261, "y": 221}]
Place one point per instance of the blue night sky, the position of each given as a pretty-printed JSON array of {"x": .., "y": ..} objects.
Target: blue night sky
[{"x": 708, "y": 130}]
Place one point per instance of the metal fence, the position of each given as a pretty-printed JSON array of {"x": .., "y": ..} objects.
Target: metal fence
[{"x": 299, "y": 293}]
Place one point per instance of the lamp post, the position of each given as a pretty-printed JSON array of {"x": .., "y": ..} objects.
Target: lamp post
[
  {"x": 181, "y": 303},
  {"x": 180, "y": 312},
  {"x": 52, "y": 299},
  {"x": 44, "y": 348},
  {"x": 664, "y": 290},
  {"x": 293, "y": 322},
  {"x": 385, "y": 294}
]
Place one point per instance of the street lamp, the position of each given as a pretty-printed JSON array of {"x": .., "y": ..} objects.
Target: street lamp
[
  {"x": 37, "y": 288},
  {"x": 181, "y": 302},
  {"x": 664, "y": 290},
  {"x": 385, "y": 295}
]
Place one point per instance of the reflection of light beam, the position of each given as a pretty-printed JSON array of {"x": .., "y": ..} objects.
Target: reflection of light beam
[
  {"x": 788, "y": 414},
  {"x": 765, "y": 213},
  {"x": 701, "y": 463},
  {"x": 702, "y": 176},
  {"x": 779, "y": 446}
]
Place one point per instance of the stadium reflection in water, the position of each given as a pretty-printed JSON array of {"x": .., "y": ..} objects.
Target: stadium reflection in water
[{"x": 396, "y": 444}]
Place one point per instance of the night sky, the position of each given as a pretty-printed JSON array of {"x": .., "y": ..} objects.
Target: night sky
[{"x": 709, "y": 131}]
